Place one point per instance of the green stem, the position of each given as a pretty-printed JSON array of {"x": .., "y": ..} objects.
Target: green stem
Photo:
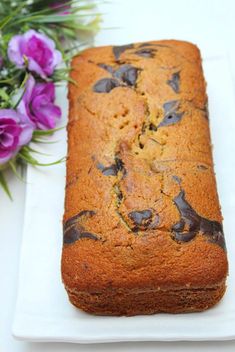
[{"x": 4, "y": 185}]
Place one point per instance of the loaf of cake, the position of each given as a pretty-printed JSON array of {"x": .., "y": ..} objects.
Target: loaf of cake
[{"x": 142, "y": 223}]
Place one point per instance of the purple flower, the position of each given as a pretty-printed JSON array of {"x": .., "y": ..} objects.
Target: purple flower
[
  {"x": 1, "y": 61},
  {"x": 38, "y": 104},
  {"x": 37, "y": 49},
  {"x": 15, "y": 131}
]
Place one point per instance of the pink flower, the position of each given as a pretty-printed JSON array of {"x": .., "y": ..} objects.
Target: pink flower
[
  {"x": 37, "y": 50},
  {"x": 15, "y": 131},
  {"x": 38, "y": 104}
]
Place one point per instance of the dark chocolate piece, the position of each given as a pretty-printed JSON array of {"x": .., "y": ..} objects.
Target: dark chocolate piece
[
  {"x": 171, "y": 116},
  {"x": 170, "y": 106},
  {"x": 177, "y": 179},
  {"x": 152, "y": 127},
  {"x": 119, "y": 195},
  {"x": 149, "y": 53},
  {"x": 140, "y": 217},
  {"x": 76, "y": 217},
  {"x": 100, "y": 166},
  {"x": 185, "y": 236},
  {"x": 174, "y": 82},
  {"x": 195, "y": 223},
  {"x": 74, "y": 234},
  {"x": 90, "y": 235},
  {"x": 127, "y": 74},
  {"x": 145, "y": 44},
  {"x": 171, "y": 119},
  {"x": 152, "y": 44},
  {"x": 154, "y": 223},
  {"x": 108, "y": 170},
  {"x": 206, "y": 111},
  {"x": 120, "y": 165},
  {"x": 71, "y": 235},
  {"x": 108, "y": 68},
  {"x": 105, "y": 85},
  {"x": 74, "y": 231},
  {"x": 179, "y": 226},
  {"x": 113, "y": 169},
  {"x": 118, "y": 50},
  {"x": 143, "y": 220},
  {"x": 202, "y": 167}
]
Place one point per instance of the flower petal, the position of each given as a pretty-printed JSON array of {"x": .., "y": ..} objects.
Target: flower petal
[
  {"x": 16, "y": 131},
  {"x": 7, "y": 140},
  {"x": 30, "y": 84},
  {"x": 57, "y": 58},
  {"x": 47, "y": 89},
  {"x": 5, "y": 156},
  {"x": 48, "y": 41},
  {"x": 47, "y": 116},
  {"x": 14, "y": 50},
  {"x": 9, "y": 114},
  {"x": 34, "y": 66},
  {"x": 26, "y": 134},
  {"x": 39, "y": 49}
]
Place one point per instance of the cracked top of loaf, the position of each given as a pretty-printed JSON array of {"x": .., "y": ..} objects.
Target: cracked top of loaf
[{"x": 141, "y": 206}]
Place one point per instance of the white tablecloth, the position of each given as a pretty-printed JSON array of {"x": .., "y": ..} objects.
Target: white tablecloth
[{"x": 210, "y": 24}]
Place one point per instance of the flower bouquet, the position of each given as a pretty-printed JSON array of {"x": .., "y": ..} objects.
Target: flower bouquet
[{"x": 37, "y": 39}]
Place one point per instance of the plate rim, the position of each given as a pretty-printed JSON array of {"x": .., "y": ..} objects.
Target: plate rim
[{"x": 20, "y": 335}]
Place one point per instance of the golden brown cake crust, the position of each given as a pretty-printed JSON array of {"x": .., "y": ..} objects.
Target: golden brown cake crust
[{"x": 142, "y": 223}]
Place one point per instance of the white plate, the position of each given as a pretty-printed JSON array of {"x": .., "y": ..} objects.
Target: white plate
[{"x": 43, "y": 312}]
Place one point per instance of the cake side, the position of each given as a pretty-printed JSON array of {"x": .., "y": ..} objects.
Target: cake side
[{"x": 141, "y": 212}]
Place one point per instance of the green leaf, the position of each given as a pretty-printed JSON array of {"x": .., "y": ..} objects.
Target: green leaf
[
  {"x": 5, "y": 21},
  {"x": 42, "y": 141},
  {"x": 47, "y": 132},
  {"x": 35, "y": 151},
  {"x": 26, "y": 156},
  {"x": 11, "y": 80},
  {"x": 11, "y": 16},
  {"x": 4, "y": 95},
  {"x": 4, "y": 185},
  {"x": 14, "y": 170},
  {"x": 22, "y": 94}
]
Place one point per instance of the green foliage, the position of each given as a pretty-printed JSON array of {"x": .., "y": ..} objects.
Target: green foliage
[
  {"x": 70, "y": 25},
  {"x": 3, "y": 184}
]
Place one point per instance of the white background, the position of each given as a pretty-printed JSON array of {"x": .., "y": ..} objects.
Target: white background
[{"x": 208, "y": 23}]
